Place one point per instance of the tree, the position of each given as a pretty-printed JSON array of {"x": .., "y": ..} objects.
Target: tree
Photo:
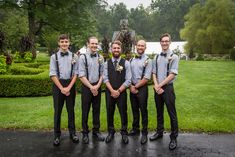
[
  {"x": 209, "y": 28},
  {"x": 168, "y": 16},
  {"x": 62, "y": 16}
]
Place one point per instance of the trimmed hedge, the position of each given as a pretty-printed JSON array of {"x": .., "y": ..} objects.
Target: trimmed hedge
[
  {"x": 25, "y": 85},
  {"x": 22, "y": 70}
]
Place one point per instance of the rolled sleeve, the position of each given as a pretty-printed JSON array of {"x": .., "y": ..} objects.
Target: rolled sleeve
[
  {"x": 128, "y": 74},
  {"x": 174, "y": 65},
  {"x": 82, "y": 66},
  {"x": 105, "y": 72},
  {"x": 148, "y": 70},
  {"x": 53, "y": 71}
]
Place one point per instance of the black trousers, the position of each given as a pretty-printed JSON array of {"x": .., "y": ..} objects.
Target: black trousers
[
  {"x": 139, "y": 103},
  {"x": 88, "y": 99},
  {"x": 168, "y": 97},
  {"x": 121, "y": 102},
  {"x": 59, "y": 99}
]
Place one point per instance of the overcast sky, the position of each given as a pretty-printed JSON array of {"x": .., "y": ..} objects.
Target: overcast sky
[{"x": 130, "y": 3}]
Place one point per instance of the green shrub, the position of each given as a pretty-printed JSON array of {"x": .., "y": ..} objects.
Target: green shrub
[
  {"x": 199, "y": 57},
  {"x": 33, "y": 65},
  {"x": 22, "y": 70},
  {"x": 232, "y": 54},
  {"x": 28, "y": 57},
  {"x": 3, "y": 65}
]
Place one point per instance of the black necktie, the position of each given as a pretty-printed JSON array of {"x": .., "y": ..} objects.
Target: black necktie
[
  {"x": 93, "y": 55},
  {"x": 163, "y": 54},
  {"x": 115, "y": 63},
  {"x": 64, "y": 54}
]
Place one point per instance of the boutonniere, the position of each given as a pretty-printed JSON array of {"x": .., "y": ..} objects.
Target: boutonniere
[
  {"x": 146, "y": 62},
  {"x": 100, "y": 60},
  {"x": 74, "y": 59},
  {"x": 119, "y": 68}
]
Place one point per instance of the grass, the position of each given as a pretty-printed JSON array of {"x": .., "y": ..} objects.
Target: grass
[{"x": 205, "y": 103}]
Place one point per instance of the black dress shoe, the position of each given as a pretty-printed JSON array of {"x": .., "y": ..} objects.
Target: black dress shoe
[
  {"x": 56, "y": 141},
  {"x": 156, "y": 136},
  {"x": 125, "y": 139},
  {"x": 109, "y": 138},
  {"x": 85, "y": 139},
  {"x": 74, "y": 138},
  {"x": 172, "y": 144},
  {"x": 134, "y": 132},
  {"x": 144, "y": 139},
  {"x": 99, "y": 136}
]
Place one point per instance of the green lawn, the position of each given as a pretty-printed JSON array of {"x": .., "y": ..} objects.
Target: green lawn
[{"x": 205, "y": 103}]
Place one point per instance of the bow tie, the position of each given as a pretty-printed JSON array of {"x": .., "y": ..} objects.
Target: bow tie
[
  {"x": 163, "y": 54},
  {"x": 64, "y": 54},
  {"x": 93, "y": 55}
]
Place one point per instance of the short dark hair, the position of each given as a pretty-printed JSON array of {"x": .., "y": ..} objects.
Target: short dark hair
[
  {"x": 116, "y": 42},
  {"x": 91, "y": 37},
  {"x": 165, "y": 35},
  {"x": 63, "y": 36}
]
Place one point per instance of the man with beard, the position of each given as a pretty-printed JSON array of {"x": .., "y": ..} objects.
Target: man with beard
[
  {"x": 117, "y": 77},
  {"x": 141, "y": 69}
]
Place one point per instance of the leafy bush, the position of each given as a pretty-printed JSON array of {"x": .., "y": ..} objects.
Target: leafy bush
[
  {"x": 28, "y": 57},
  {"x": 25, "y": 85},
  {"x": 3, "y": 65},
  {"x": 232, "y": 54},
  {"x": 22, "y": 70},
  {"x": 199, "y": 57}
]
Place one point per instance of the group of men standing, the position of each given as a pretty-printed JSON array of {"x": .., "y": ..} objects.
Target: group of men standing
[{"x": 118, "y": 75}]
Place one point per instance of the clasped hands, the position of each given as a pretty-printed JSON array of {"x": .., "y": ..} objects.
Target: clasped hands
[
  {"x": 94, "y": 90},
  {"x": 158, "y": 89},
  {"x": 65, "y": 91},
  {"x": 133, "y": 89}
]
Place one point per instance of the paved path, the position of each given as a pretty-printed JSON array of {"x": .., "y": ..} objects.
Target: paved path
[{"x": 39, "y": 144}]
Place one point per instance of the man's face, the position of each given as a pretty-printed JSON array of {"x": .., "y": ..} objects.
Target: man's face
[
  {"x": 64, "y": 44},
  {"x": 93, "y": 45},
  {"x": 165, "y": 43},
  {"x": 116, "y": 50},
  {"x": 141, "y": 46}
]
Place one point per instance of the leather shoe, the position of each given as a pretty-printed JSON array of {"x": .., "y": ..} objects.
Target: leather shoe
[
  {"x": 172, "y": 144},
  {"x": 109, "y": 138},
  {"x": 85, "y": 139},
  {"x": 134, "y": 132},
  {"x": 99, "y": 136},
  {"x": 156, "y": 136},
  {"x": 74, "y": 138},
  {"x": 56, "y": 141},
  {"x": 125, "y": 139},
  {"x": 144, "y": 139}
]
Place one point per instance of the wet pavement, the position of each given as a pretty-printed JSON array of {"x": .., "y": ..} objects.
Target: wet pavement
[{"x": 39, "y": 144}]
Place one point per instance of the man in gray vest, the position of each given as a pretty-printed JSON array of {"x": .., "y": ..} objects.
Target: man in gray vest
[
  {"x": 90, "y": 74},
  {"x": 165, "y": 69},
  {"x": 63, "y": 73},
  {"x": 141, "y": 70},
  {"x": 117, "y": 77}
]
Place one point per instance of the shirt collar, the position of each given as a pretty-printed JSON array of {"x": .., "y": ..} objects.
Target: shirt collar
[{"x": 113, "y": 59}]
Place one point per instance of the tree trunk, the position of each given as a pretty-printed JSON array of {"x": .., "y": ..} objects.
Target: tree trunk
[{"x": 32, "y": 25}]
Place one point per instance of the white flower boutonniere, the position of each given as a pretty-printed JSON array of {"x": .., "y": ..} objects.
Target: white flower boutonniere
[
  {"x": 119, "y": 68},
  {"x": 74, "y": 59},
  {"x": 146, "y": 62}
]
